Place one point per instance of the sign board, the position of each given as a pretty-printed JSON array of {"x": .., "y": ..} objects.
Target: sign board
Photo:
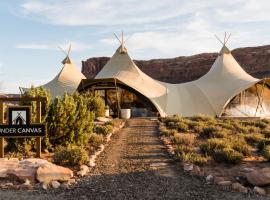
[{"x": 19, "y": 124}]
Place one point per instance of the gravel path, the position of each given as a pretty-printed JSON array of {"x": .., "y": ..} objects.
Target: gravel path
[{"x": 135, "y": 165}]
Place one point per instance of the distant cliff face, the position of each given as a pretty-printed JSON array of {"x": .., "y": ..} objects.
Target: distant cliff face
[{"x": 254, "y": 60}]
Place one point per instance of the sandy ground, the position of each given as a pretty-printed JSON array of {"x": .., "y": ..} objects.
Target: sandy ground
[{"x": 135, "y": 165}]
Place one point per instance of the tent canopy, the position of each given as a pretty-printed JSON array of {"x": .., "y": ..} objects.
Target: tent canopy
[
  {"x": 66, "y": 81},
  {"x": 207, "y": 95}
]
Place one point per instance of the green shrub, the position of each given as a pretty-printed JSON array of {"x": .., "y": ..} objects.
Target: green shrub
[
  {"x": 103, "y": 129},
  {"x": 240, "y": 145},
  {"x": 214, "y": 144},
  {"x": 204, "y": 118},
  {"x": 167, "y": 132},
  {"x": 71, "y": 155},
  {"x": 266, "y": 133},
  {"x": 181, "y": 127},
  {"x": 70, "y": 121},
  {"x": 95, "y": 103},
  {"x": 195, "y": 126},
  {"x": 261, "y": 124},
  {"x": 183, "y": 139},
  {"x": 263, "y": 143},
  {"x": 266, "y": 152},
  {"x": 213, "y": 132},
  {"x": 254, "y": 138},
  {"x": 169, "y": 121},
  {"x": 180, "y": 149},
  {"x": 194, "y": 158},
  {"x": 227, "y": 155},
  {"x": 96, "y": 140}
]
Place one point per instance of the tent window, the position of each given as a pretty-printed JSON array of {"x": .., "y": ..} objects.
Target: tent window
[{"x": 252, "y": 102}]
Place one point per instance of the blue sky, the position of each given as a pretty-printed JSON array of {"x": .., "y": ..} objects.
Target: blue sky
[{"x": 32, "y": 30}]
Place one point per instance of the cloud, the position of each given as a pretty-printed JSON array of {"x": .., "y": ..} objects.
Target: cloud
[{"x": 75, "y": 46}]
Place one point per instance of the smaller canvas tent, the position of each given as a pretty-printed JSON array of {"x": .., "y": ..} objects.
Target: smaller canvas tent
[{"x": 66, "y": 81}]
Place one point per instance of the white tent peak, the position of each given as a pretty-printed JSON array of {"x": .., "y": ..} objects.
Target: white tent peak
[
  {"x": 67, "y": 60},
  {"x": 66, "y": 81},
  {"x": 121, "y": 49},
  {"x": 224, "y": 49}
]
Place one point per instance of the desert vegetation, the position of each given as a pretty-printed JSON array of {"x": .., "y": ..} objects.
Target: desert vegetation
[
  {"x": 72, "y": 134},
  {"x": 203, "y": 139}
]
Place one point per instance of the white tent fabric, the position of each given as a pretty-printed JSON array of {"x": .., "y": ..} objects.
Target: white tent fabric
[
  {"x": 66, "y": 81},
  {"x": 207, "y": 95}
]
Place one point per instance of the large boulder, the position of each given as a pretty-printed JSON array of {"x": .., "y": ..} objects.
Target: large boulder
[
  {"x": 260, "y": 177},
  {"x": 25, "y": 169},
  {"x": 50, "y": 172}
]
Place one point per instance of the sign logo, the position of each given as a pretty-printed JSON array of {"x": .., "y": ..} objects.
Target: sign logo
[{"x": 19, "y": 115}]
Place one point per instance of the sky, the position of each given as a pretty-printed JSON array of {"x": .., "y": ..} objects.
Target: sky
[{"x": 33, "y": 30}]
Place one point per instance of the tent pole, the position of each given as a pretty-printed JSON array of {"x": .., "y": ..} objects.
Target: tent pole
[
  {"x": 259, "y": 97},
  {"x": 117, "y": 100}
]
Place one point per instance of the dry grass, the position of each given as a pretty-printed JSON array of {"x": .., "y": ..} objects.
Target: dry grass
[{"x": 226, "y": 140}]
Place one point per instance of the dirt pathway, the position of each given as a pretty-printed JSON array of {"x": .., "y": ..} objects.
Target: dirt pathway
[{"x": 135, "y": 165}]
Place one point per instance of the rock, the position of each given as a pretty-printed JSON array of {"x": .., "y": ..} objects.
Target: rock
[
  {"x": 218, "y": 179},
  {"x": 71, "y": 181},
  {"x": 224, "y": 183},
  {"x": 22, "y": 170},
  {"x": 209, "y": 178},
  {"x": 196, "y": 170},
  {"x": 260, "y": 177},
  {"x": 51, "y": 172},
  {"x": 85, "y": 168},
  {"x": 240, "y": 188},
  {"x": 103, "y": 119},
  {"x": 247, "y": 169},
  {"x": 44, "y": 186},
  {"x": 22, "y": 173},
  {"x": 81, "y": 173},
  {"x": 64, "y": 186},
  {"x": 91, "y": 163},
  {"x": 34, "y": 162},
  {"x": 188, "y": 167},
  {"x": 259, "y": 191},
  {"x": 27, "y": 182},
  {"x": 3, "y": 173},
  {"x": 55, "y": 184}
]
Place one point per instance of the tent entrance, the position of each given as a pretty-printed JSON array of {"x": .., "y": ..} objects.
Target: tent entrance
[
  {"x": 120, "y": 96},
  {"x": 250, "y": 103}
]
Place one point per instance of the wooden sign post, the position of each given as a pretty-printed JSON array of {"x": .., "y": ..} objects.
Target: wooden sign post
[{"x": 18, "y": 129}]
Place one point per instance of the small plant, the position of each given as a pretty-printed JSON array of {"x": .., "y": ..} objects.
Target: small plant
[
  {"x": 181, "y": 127},
  {"x": 240, "y": 145},
  {"x": 96, "y": 140},
  {"x": 227, "y": 155},
  {"x": 183, "y": 139},
  {"x": 213, "y": 132},
  {"x": 180, "y": 149},
  {"x": 266, "y": 152},
  {"x": 254, "y": 138},
  {"x": 71, "y": 155},
  {"x": 261, "y": 124},
  {"x": 214, "y": 144},
  {"x": 263, "y": 143},
  {"x": 194, "y": 158},
  {"x": 103, "y": 129}
]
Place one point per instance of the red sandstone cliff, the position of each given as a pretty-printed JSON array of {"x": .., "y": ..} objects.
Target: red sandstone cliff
[{"x": 254, "y": 60}]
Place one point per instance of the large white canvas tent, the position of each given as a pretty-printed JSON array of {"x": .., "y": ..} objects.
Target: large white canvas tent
[
  {"x": 66, "y": 81},
  {"x": 208, "y": 95}
]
